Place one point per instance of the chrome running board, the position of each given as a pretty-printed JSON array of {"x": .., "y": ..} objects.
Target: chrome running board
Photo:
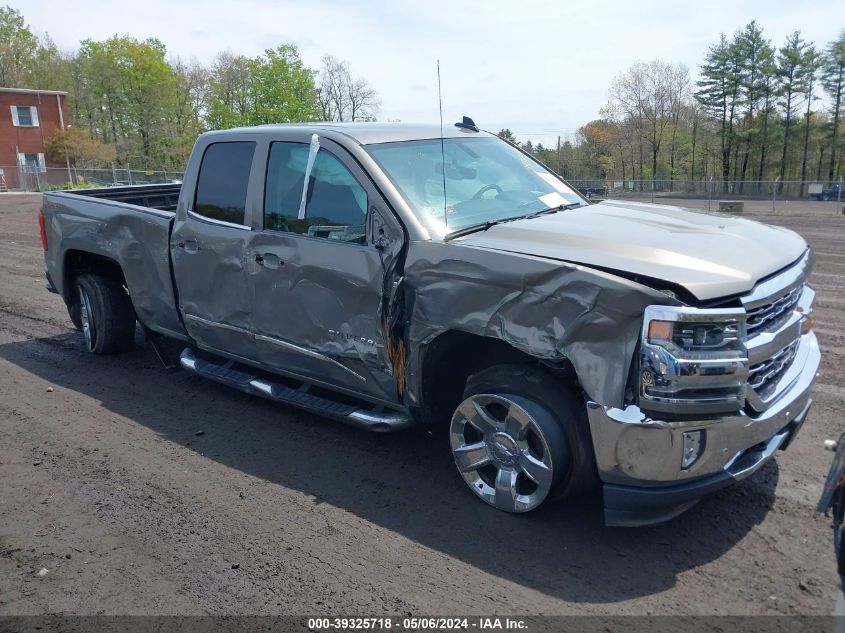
[{"x": 226, "y": 373}]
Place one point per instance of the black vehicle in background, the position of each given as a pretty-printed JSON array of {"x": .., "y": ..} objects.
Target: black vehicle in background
[
  {"x": 833, "y": 192},
  {"x": 590, "y": 192}
]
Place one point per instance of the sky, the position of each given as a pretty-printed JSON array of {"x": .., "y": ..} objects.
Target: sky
[{"x": 540, "y": 68}]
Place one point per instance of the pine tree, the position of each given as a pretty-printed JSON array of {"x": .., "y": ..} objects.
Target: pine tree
[
  {"x": 717, "y": 92},
  {"x": 809, "y": 69},
  {"x": 833, "y": 80},
  {"x": 789, "y": 64},
  {"x": 752, "y": 51}
]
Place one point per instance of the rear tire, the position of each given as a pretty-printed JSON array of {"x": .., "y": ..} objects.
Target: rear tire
[
  {"x": 106, "y": 315},
  {"x": 73, "y": 311},
  {"x": 520, "y": 437}
]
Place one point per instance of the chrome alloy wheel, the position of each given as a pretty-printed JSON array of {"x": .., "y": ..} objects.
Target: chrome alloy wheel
[
  {"x": 85, "y": 318},
  {"x": 504, "y": 452}
]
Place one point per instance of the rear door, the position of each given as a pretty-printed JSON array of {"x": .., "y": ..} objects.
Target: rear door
[
  {"x": 208, "y": 243},
  {"x": 318, "y": 279}
]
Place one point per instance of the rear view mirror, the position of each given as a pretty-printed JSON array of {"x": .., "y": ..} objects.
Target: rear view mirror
[{"x": 457, "y": 172}]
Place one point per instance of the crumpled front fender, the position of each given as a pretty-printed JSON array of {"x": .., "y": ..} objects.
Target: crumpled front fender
[{"x": 550, "y": 310}]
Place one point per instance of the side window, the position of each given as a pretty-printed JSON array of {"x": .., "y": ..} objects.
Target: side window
[
  {"x": 335, "y": 202},
  {"x": 223, "y": 180}
]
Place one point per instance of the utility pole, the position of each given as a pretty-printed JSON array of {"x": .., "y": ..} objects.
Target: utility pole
[
  {"x": 559, "y": 165},
  {"x": 64, "y": 129},
  {"x": 775, "y": 194}
]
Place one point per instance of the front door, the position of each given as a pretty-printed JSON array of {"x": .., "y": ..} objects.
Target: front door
[
  {"x": 317, "y": 277},
  {"x": 208, "y": 244}
]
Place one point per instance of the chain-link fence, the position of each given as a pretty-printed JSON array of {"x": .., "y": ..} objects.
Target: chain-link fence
[
  {"x": 714, "y": 194},
  {"x": 33, "y": 178},
  {"x": 712, "y": 189}
]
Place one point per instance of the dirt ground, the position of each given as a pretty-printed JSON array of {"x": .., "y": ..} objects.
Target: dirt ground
[{"x": 147, "y": 492}]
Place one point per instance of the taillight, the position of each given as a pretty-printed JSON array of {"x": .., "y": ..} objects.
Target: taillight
[{"x": 43, "y": 229}]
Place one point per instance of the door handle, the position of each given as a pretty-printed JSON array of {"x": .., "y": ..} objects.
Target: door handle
[
  {"x": 269, "y": 260},
  {"x": 190, "y": 246}
]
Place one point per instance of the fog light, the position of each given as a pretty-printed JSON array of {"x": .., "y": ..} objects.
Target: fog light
[{"x": 693, "y": 445}]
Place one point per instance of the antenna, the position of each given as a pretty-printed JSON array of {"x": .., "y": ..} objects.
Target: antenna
[{"x": 442, "y": 149}]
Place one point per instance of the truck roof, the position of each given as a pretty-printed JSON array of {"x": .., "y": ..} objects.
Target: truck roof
[{"x": 367, "y": 133}]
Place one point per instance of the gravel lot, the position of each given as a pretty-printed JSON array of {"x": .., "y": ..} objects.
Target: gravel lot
[{"x": 143, "y": 491}]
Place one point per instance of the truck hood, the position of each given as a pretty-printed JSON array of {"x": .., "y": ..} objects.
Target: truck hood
[{"x": 711, "y": 255}]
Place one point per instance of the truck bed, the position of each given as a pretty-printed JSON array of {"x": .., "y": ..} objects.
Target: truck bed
[
  {"x": 130, "y": 226},
  {"x": 162, "y": 197}
]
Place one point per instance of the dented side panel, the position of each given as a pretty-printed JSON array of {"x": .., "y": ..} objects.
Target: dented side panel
[
  {"x": 215, "y": 300},
  {"x": 547, "y": 309},
  {"x": 136, "y": 239},
  {"x": 316, "y": 310}
]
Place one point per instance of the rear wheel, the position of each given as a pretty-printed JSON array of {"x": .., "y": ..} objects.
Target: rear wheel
[
  {"x": 73, "y": 312},
  {"x": 519, "y": 437},
  {"x": 105, "y": 314}
]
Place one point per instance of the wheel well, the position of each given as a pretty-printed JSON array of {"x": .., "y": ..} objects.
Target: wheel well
[
  {"x": 78, "y": 262},
  {"x": 453, "y": 356}
]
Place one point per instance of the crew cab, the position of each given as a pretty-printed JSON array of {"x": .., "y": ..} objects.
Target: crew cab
[{"x": 388, "y": 275}]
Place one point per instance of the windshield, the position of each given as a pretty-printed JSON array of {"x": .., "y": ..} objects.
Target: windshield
[{"x": 486, "y": 179}]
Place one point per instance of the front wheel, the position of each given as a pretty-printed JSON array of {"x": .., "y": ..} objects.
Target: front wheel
[{"x": 519, "y": 437}]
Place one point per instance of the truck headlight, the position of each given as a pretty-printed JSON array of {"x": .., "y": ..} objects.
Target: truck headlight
[{"x": 693, "y": 360}]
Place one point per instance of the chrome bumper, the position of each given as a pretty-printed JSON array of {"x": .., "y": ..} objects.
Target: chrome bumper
[{"x": 633, "y": 449}]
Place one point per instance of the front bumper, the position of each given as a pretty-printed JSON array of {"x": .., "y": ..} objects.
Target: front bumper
[{"x": 639, "y": 458}]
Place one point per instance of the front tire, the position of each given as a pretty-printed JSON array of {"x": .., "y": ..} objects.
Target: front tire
[
  {"x": 106, "y": 315},
  {"x": 519, "y": 437}
]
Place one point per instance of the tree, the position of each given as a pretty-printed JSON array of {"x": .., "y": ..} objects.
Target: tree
[
  {"x": 282, "y": 88},
  {"x": 753, "y": 51},
  {"x": 50, "y": 68},
  {"x": 647, "y": 93},
  {"x": 768, "y": 87},
  {"x": 229, "y": 91},
  {"x": 790, "y": 62},
  {"x": 810, "y": 66},
  {"x": 146, "y": 81},
  {"x": 17, "y": 49},
  {"x": 833, "y": 80},
  {"x": 341, "y": 96},
  {"x": 718, "y": 90},
  {"x": 507, "y": 135},
  {"x": 678, "y": 86},
  {"x": 78, "y": 147},
  {"x": 272, "y": 88},
  {"x": 597, "y": 143},
  {"x": 188, "y": 106}
]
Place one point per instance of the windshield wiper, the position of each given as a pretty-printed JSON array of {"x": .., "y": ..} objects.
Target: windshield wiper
[
  {"x": 483, "y": 226},
  {"x": 560, "y": 207},
  {"x": 472, "y": 228}
]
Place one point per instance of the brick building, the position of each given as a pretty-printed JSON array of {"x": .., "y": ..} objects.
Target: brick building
[{"x": 27, "y": 120}]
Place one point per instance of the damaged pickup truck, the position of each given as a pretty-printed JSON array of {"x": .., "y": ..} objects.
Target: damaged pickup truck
[{"x": 387, "y": 275}]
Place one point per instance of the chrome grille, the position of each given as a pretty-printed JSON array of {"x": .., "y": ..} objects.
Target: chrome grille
[
  {"x": 770, "y": 315},
  {"x": 764, "y": 376}
]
